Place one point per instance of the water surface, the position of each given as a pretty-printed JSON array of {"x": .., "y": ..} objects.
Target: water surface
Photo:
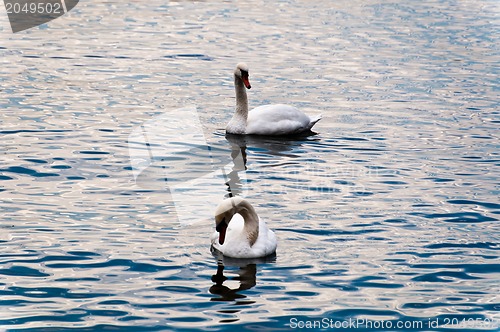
[{"x": 389, "y": 214}]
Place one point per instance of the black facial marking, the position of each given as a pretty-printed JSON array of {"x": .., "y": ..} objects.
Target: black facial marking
[
  {"x": 222, "y": 224},
  {"x": 244, "y": 73}
]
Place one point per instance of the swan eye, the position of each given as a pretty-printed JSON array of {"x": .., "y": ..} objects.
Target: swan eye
[{"x": 244, "y": 73}]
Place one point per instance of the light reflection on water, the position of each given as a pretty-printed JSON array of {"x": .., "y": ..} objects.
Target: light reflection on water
[{"x": 389, "y": 212}]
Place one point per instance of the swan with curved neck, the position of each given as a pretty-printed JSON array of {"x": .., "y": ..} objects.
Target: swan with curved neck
[
  {"x": 239, "y": 232},
  {"x": 275, "y": 119}
]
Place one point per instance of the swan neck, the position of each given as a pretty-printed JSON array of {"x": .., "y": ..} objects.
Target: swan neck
[
  {"x": 241, "y": 98},
  {"x": 251, "y": 219}
]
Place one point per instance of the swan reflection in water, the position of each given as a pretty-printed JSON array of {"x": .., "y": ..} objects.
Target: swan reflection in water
[
  {"x": 276, "y": 146},
  {"x": 246, "y": 276}
]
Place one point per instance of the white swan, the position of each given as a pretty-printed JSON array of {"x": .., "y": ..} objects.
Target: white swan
[
  {"x": 240, "y": 233},
  {"x": 276, "y": 119}
]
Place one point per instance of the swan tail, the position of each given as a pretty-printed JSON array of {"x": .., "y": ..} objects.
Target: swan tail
[{"x": 314, "y": 119}]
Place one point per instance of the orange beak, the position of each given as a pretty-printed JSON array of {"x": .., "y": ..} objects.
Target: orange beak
[{"x": 246, "y": 82}]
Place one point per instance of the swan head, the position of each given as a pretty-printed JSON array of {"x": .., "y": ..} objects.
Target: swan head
[
  {"x": 224, "y": 213},
  {"x": 241, "y": 72}
]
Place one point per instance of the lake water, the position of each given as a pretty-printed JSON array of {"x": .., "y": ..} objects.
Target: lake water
[{"x": 387, "y": 218}]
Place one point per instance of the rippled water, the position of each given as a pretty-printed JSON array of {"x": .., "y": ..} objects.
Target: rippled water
[{"x": 389, "y": 214}]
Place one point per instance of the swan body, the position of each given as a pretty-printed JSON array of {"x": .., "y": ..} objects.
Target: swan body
[
  {"x": 276, "y": 119},
  {"x": 240, "y": 233}
]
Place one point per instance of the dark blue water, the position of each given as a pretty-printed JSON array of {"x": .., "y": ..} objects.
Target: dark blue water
[{"x": 387, "y": 219}]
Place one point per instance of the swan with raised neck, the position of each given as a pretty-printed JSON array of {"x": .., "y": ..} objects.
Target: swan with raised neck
[{"x": 275, "y": 119}]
